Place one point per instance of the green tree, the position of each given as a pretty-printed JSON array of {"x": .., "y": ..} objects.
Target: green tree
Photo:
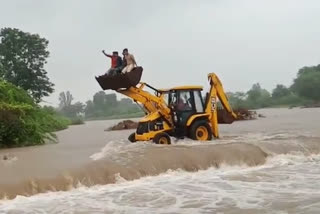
[
  {"x": 22, "y": 59},
  {"x": 111, "y": 100},
  {"x": 67, "y": 108},
  {"x": 280, "y": 91},
  {"x": 126, "y": 101},
  {"x": 65, "y": 99},
  {"x": 307, "y": 69},
  {"x": 105, "y": 105},
  {"x": 89, "y": 109},
  {"x": 99, "y": 99},
  {"x": 255, "y": 92},
  {"x": 237, "y": 99},
  {"x": 307, "y": 83},
  {"x": 265, "y": 98},
  {"x": 73, "y": 110},
  {"x": 258, "y": 97}
]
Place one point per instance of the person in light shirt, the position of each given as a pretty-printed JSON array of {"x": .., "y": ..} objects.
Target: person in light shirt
[{"x": 130, "y": 61}]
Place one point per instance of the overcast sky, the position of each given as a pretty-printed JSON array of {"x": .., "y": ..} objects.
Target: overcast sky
[{"x": 176, "y": 41}]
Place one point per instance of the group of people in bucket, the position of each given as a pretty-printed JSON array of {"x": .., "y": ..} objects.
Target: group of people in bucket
[{"x": 119, "y": 65}]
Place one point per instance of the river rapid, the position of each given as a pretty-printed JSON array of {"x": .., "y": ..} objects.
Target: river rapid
[{"x": 268, "y": 165}]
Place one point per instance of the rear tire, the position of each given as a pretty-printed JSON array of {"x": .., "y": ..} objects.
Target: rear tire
[
  {"x": 162, "y": 138},
  {"x": 200, "y": 130},
  {"x": 132, "y": 138}
]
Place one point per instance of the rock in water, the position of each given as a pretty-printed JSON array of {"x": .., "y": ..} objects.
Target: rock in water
[{"x": 126, "y": 124}]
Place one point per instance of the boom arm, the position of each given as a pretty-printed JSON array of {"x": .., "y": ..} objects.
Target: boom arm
[
  {"x": 150, "y": 102},
  {"x": 216, "y": 91}
]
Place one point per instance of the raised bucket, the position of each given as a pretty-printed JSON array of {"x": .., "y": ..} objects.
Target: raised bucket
[{"x": 119, "y": 81}]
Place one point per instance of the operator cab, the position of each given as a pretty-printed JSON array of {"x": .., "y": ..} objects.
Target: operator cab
[
  {"x": 164, "y": 93},
  {"x": 185, "y": 101}
]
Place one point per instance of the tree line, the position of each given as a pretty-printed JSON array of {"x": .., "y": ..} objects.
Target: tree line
[
  {"x": 102, "y": 106},
  {"x": 304, "y": 91}
]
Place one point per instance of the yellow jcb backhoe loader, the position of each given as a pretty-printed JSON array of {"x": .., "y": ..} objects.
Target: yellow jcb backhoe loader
[{"x": 179, "y": 111}]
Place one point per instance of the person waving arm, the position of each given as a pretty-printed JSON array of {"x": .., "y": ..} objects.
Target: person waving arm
[{"x": 107, "y": 55}]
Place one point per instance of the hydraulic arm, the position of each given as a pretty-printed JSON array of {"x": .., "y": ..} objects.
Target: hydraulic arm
[
  {"x": 150, "y": 102},
  {"x": 216, "y": 91}
]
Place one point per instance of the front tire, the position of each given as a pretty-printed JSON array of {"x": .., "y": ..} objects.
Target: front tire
[
  {"x": 162, "y": 138},
  {"x": 201, "y": 130},
  {"x": 132, "y": 138}
]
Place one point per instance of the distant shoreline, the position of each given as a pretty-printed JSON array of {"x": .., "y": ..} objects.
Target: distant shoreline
[
  {"x": 115, "y": 117},
  {"x": 141, "y": 114}
]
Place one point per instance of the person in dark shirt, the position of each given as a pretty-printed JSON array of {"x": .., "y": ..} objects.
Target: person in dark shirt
[{"x": 116, "y": 63}]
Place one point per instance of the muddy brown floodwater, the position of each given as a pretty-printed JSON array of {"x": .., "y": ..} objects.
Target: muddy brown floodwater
[
  {"x": 74, "y": 147},
  {"x": 268, "y": 165}
]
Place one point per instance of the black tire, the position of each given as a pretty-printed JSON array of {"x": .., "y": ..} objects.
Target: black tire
[
  {"x": 200, "y": 130},
  {"x": 162, "y": 138},
  {"x": 132, "y": 138}
]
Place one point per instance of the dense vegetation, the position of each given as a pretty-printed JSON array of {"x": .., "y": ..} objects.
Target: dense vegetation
[
  {"x": 102, "y": 106},
  {"x": 23, "y": 83},
  {"x": 305, "y": 91},
  {"x": 106, "y": 105},
  {"x": 22, "y": 122}
]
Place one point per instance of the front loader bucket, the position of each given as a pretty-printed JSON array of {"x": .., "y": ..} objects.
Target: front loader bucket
[{"x": 119, "y": 81}]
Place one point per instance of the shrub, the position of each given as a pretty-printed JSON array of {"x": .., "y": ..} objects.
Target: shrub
[
  {"x": 77, "y": 121},
  {"x": 22, "y": 122}
]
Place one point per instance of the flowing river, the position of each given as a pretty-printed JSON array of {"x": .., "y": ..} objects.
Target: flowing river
[{"x": 268, "y": 165}]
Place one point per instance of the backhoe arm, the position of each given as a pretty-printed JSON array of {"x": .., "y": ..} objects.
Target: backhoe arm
[{"x": 216, "y": 91}]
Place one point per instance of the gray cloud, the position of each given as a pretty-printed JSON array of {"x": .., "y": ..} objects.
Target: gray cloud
[{"x": 177, "y": 42}]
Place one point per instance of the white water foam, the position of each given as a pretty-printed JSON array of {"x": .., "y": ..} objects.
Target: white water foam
[{"x": 284, "y": 184}]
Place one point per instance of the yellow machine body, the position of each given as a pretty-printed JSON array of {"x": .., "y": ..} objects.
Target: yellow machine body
[{"x": 163, "y": 118}]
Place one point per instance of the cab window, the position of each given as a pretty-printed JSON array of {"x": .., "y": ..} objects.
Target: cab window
[{"x": 198, "y": 101}]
